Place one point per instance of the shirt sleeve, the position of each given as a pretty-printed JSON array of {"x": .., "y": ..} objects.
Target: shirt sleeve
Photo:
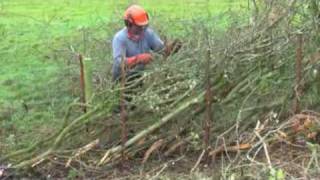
[
  {"x": 155, "y": 42},
  {"x": 118, "y": 46}
]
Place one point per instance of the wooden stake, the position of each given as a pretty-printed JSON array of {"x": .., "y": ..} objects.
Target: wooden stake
[
  {"x": 123, "y": 111},
  {"x": 82, "y": 83},
  {"x": 87, "y": 65},
  {"x": 208, "y": 101},
  {"x": 297, "y": 87}
]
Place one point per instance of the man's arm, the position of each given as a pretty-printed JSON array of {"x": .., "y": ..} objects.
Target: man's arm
[
  {"x": 165, "y": 48},
  {"x": 118, "y": 48},
  {"x": 172, "y": 47},
  {"x": 156, "y": 44}
]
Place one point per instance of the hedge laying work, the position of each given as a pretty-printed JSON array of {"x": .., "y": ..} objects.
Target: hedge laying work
[{"x": 242, "y": 94}]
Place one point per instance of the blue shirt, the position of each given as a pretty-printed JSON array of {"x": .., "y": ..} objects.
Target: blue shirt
[{"x": 121, "y": 43}]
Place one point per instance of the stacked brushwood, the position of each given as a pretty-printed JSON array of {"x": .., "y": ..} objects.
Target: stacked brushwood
[{"x": 228, "y": 77}]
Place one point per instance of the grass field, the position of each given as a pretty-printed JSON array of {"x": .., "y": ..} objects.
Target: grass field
[{"x": 34, "y": 37}]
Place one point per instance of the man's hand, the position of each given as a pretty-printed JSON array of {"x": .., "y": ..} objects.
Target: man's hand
[
  {"x": 172, "y": 47},
  {"x": 144, "y": 58}
]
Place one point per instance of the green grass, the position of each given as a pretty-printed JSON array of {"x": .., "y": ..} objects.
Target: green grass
[{"x": 33, "y": 95}]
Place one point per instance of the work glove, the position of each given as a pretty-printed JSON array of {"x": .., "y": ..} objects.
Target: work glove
[{"x": 144, "y": 58}]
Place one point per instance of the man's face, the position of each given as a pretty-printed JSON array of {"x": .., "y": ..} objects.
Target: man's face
[{"x": 137, "y": 30}]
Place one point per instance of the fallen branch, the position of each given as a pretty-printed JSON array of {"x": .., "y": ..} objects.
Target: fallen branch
[
  {"x": 82, "y": 151},
  {"x": 156, "y": 145},
  {"x": 234, "y": 148},
  {"x": 152, "y": 128},
  {"x": 58, "y": 140},
  {"x": 176, "y": 145}
]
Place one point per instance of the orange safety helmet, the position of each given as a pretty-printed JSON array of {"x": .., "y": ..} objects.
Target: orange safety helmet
[{"x": 136, "y": 15}]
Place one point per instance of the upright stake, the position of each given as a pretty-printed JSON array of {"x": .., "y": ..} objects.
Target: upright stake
[
  {"x": 123, "y": 112},
  {"x": 85, "y": 82},
  {"x": 297, "y": 88},
  {"x": 208, "y": 101},
  {"x": 87, "y": 64},
  {"x": 82, "y": 83},
  {"x": 208, "y": 93}
]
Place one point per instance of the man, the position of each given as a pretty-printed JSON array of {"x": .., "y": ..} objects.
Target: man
[{"x": 134, "y": 43}]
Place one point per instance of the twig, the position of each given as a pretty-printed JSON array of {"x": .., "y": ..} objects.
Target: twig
[
  {"x": 198, "y": 161},
  {"x": 165, "y": 166},
  {"x": 265, "y": 148}
]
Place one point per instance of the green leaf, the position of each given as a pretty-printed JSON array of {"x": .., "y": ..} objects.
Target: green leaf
[{"x": 280, "y": 175}]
